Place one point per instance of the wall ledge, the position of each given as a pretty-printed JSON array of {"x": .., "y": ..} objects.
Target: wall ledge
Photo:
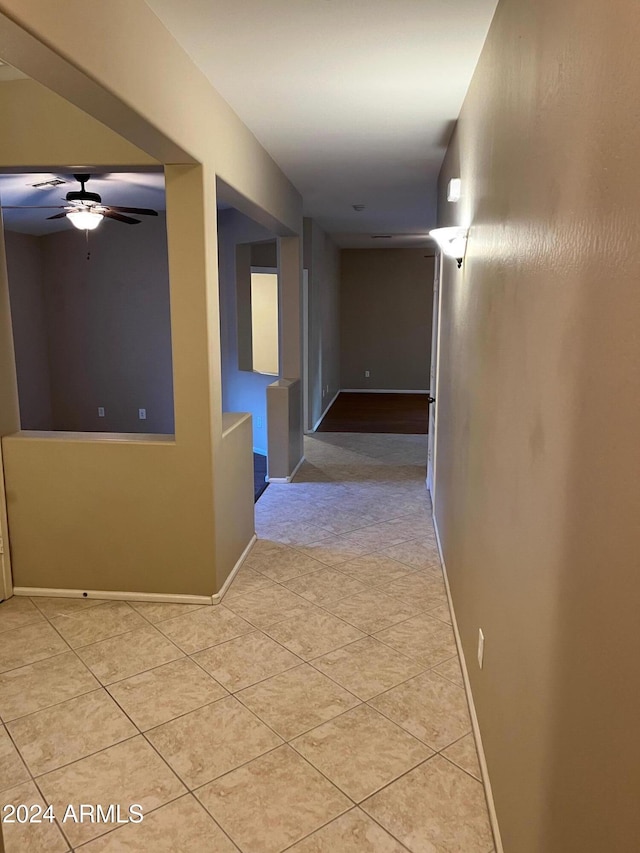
[
  {"x": 232, "y": 420},
  {"x": 95, "y": 437}
]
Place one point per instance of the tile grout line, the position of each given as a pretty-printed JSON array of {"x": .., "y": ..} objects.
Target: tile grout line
[
  {"x": 260, "y": 680},
  {"x": 263, "y": 631},
  {"x": 353, "y": 808}
]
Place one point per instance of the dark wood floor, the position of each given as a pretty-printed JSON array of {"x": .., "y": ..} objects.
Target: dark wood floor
[
  {"x": 395, "y": 413},
  {"x": 259, "y": 473}
]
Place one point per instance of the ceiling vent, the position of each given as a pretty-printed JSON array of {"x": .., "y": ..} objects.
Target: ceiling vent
[
  {"x": 46, "y": 185},
  {"x": 381, "y": 236}
]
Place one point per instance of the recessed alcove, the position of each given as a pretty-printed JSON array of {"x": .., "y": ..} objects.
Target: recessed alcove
[{"x": 90, "y": 310}]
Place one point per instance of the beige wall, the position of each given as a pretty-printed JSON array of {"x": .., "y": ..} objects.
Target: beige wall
[
  {"x": 264, "y": 322},
  {"x": 538, "y": 495},
  {"x": 284, "y": 413},
  {"x": 158, "y": 100},
  {"x": 322, "y": 260},
  {"x": 288, "y": 432},
  {"x": 93, "y": 333},
  {"x": 386, "y": 304},
  {"x": 134, "y": 515},
  {"x": 235, "y": 511},
  {"x": 33, "y": 111}
]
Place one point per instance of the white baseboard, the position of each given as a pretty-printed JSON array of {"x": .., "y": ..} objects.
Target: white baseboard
[
  {"x": 156, "y": 597},
  {"x": 384, "y": 391},
  {"x": 217, "y": 598},
  {"x": 112, "y": 595},
  {"x": 285, "y": 480},
  {"x": 322, "y": 416},
  {"x": 493, "y": 817}
]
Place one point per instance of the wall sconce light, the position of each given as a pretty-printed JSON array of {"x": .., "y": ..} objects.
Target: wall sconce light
[
  {"x": 454, "y": 189},
  {"x": 452, "y": 241}
]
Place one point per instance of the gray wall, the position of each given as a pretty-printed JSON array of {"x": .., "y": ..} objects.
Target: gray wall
[
  {"x": 386, "y": 310},
  {"x": 242, "y": 390},
  {"x": 101, "y": 328},
  {"x": 538, "y": 457},
  {"x": 30, "y": 329},
  {"x": 322, "y": 260}
]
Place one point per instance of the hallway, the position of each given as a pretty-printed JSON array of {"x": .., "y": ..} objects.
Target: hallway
[{"x": 319, "y": 708}]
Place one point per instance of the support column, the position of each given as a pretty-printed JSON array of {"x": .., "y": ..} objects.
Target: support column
[
  {"x": 284, "y": 398},
  {"x": 9, "y": 414}
]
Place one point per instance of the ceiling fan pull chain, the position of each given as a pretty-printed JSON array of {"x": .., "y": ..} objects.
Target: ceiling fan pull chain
[{"x": 88, "y": 250}]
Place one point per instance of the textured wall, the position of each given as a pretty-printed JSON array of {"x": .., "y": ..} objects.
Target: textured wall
[
  {"x": 322, "y": 260},
  {"x": 537, "y": 494},
  {"x": 93, "y": 333},
  {"x": 386, "y": 307},
  {"x": 28, "y": 320}
]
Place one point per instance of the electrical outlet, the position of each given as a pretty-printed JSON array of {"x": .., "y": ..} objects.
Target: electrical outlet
[
  {"x": 142, "y": 414},
  {"x": 100, "y": 411},
  {"x": 259, "y": 422},
  {"x": 367, "y": 374},
  {"x": 480, "y": 648}
]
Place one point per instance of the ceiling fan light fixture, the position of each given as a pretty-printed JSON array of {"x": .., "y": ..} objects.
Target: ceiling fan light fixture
[{"x": 85, "y": 220}]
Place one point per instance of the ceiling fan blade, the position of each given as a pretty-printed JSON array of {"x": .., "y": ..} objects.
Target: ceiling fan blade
[
  {"x": 109, "y": 214},
  {"x": 141, "y": 211},
  {"x": 32, "y": 206},
  {"x": 57, "y": 215}
]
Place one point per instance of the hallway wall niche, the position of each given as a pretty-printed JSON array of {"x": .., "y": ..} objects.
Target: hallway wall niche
[
  {"x": 244, "y": 246},
  {"x": 90, "y": 313}
]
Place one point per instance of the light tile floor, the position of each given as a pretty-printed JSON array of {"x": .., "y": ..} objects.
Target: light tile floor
[{"x": 319, "y": 709}]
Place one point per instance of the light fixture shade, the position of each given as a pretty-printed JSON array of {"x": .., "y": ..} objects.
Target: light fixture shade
[
  {"x": 85, "y": 220},
  {"x": 452, "y": 241}
]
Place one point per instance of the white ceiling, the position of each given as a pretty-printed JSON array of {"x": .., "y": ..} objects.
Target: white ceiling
[
  {"x": 125, "y": 189},
  {"x": 354, "y": 99}
]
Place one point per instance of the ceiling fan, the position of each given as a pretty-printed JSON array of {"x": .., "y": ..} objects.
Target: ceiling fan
[{"x": 86, "y": 211}]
